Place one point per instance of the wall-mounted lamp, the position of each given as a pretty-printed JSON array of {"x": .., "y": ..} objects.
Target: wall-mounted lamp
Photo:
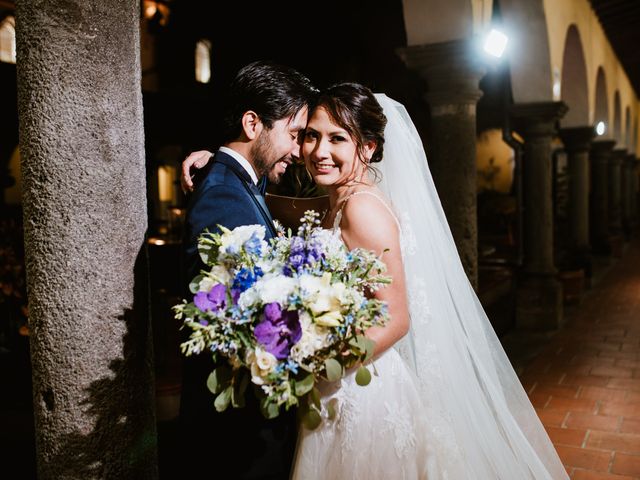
[
  {"x": 156, "y": 11},
  {"x": 601, "y": 127},
  {"x": 495, "y": 43}
]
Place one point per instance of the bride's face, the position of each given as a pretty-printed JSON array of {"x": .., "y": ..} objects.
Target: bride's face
[{"x": 329, "y": 152}]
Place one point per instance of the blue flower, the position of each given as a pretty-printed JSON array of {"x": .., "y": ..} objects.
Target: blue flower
[
  {"x": 245, "y": 278},
  {"x": 253, "y": 246}
]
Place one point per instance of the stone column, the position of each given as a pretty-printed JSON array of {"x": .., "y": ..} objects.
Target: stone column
[
  {"x": 635, "y": 190},
  {"x": 539, "y": 295},
  {"x": 577, "y": 141},
  {"x": 627, "y": 195},
  {"x": 85, "y": 217},
  {"x": 452, "y": 77},
  {"x": 615, "y": 194},
  {"x": 600, "y": 154}
]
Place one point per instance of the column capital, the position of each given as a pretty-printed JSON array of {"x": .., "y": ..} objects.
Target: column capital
[
  {"x": 538, "y": 118},
  {"x": 617, "y": 156},
  {"x": 451, "y": 69},
  {"x": 602, "y": 147},
  {"x": 577, "y": 139}
]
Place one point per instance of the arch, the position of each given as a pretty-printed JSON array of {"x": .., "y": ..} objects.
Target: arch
[
  {"x": 602, "y": 101},
  {"x": 8, "y": 39},
  {"x": 437, "y": 20},
  {"x": 617, "y": 119},
  {"x": 203, "y": 61},
  {"x": 574, "y": 89},
  {"x": 526, "y": 25}
]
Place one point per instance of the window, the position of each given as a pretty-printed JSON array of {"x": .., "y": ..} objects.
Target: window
[
  {"x": 8, "y": 40},
  {"x": 203, "y": 61}
]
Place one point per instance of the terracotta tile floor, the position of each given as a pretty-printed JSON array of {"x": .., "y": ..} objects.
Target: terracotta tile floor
[{"x": 585, "y": 383}]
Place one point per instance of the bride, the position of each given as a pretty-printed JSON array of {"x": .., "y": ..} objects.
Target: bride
[{"x": 444, "y": 402}]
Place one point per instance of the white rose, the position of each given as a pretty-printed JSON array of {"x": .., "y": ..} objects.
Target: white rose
[{"x": 262, "y": 364}]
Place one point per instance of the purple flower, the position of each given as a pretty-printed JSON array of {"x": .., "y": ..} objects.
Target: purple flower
[
  {"x": 303, "y": 254},
  {"x": 214, "y": 300},
  {"x": 278, "y": 331}
]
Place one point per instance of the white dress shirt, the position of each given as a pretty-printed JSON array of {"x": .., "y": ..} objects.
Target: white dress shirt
[{"x": 242, "y": 161}]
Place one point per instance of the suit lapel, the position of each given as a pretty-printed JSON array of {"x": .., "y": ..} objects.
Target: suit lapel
[{"x": 253, "y": 190}]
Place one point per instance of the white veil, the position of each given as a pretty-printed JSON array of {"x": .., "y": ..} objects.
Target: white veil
[{"x": 484, "y": 425}]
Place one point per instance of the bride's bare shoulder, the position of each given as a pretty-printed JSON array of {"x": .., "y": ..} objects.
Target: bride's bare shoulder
[{"x": 367, "y": 222}]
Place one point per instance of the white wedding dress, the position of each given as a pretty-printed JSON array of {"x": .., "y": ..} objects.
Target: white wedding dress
[
  {"x": 380, "y": 431},
  {"x": 445, "y": 403}
]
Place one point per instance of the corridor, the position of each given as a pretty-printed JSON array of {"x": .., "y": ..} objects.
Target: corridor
[{"x": 585, "y": 384}]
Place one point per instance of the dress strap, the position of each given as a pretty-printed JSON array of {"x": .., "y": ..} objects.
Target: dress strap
[{"x": 338, "y": 218}]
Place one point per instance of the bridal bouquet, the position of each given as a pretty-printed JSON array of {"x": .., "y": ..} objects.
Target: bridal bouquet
[{"x": 282, "y": 315}]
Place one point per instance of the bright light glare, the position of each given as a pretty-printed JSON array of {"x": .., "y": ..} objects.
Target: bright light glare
[
  {"x": 601, "y": 128},
  {"x": 496, "y": 43}
]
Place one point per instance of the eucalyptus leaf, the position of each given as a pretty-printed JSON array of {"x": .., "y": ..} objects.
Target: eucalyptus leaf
[
  {"x": 363, "y": 376},
  {"x": 314, "y": 398},
  {"x": 370, "y": 348},
  {"x": 305, "y": 385},
  {"x": 222, "y": 400},
  {"x": 218, "y": 379},
  {"x": 331, "y": 409},
  {"x": 334, "y": 369},
  {"x": 311, "y": 419},
  {"x": 239, "y": 387},
  {"x": 269, "y": 410}
]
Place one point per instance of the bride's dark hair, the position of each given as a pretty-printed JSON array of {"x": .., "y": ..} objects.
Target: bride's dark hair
[{"x": 353, "y": 107}]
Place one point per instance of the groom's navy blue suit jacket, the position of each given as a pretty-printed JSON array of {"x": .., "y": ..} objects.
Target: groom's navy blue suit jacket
[{"x": 226, "y": 196}]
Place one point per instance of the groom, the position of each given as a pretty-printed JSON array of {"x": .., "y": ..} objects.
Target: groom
[{"x": 265, "y": 111}]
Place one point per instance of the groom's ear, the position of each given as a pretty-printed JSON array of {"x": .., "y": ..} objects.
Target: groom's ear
[{"x": 251, "y": 124}]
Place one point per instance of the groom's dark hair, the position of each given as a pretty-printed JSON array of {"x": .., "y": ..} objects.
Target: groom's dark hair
[{"x": 272, "y": 91}]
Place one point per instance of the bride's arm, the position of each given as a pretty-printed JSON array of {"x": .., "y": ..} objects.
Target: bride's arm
[
  {"x": 366, "y": 223},
  {"x": 196, "y": 160}
]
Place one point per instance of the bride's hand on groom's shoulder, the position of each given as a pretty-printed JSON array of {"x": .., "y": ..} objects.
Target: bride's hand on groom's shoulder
[{"x": 195, "y": 160}]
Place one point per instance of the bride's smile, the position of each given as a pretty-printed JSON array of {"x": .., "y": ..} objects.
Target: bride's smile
[{"x": 330, "y": 153}]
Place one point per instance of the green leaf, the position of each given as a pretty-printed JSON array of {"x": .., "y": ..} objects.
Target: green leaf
[
  {"x": 331, "y": 408},
  {"x": 314, "y": 398},
  {"x": 194, "y": 285},
  {"x": 218, "y": 379},
  {"x": 334, "y": 369},
  {"x": 311, "y": 419},
  {"x": 269, "y": 410},
  {"x": 370, "y": 348},
  {"x": 207, "y": 253},
  {"x": 239, "y": 387},
  {"x": 222, "y": 400},
  {"x": 363, "y": 376},
  {"x": 305, "y": 385}
]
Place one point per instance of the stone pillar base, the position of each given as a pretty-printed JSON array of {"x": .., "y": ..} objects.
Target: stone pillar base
[{"x": 539, "y": 304}]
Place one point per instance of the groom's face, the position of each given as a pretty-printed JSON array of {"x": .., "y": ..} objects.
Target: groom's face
[{"x": 276, "y": 148}]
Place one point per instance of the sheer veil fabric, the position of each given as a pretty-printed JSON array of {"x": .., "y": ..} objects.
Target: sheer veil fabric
[{"x": 482, "y": 423}]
